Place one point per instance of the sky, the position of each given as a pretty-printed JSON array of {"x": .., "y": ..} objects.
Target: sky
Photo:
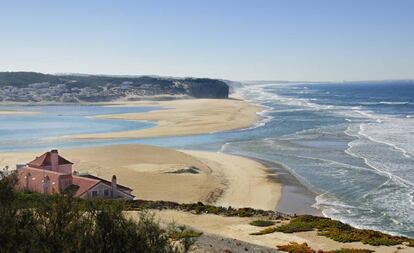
[{"x": 309, "y": 40}]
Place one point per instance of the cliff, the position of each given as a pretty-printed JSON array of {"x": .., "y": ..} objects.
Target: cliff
[{"x": 38, "y": 87}]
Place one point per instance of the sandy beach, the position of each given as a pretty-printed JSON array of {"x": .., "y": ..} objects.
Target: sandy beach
[
  {"x": 162, "y": 174},
  {"x": 11, "y": 113},
  {"x": 184, "y": 117}
]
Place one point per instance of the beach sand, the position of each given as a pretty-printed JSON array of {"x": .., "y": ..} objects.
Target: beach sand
[
  {"x": 184, "y": 117},
  {"x": 221, "y": 179},
  {"x": 247, "y": 181},
  {"x": 12, "y": 113}
]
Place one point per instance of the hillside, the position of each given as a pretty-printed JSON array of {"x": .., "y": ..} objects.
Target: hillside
[{"x": 38, "y": 87}]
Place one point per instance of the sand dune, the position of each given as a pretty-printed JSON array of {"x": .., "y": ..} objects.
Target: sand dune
[{"x": 185, "y": 117}]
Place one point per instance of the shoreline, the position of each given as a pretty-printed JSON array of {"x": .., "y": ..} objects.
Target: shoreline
[
  {"x": 16, "y": 113},
  {"x": 222, "y": 179},
  {"x": 290, "y": 187},
  {"x": 247, "y": 181},
  {"x": 295, "y": 198}
]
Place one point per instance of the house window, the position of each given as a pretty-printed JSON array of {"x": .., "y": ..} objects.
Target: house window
[
  {"x": 106, "y": 193},
  {"x": 94, "y": 193}
]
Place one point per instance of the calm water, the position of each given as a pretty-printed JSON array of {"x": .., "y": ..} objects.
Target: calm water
[
  {"x": 46, "y": 128},
  {"x": 353, "y": 144}
]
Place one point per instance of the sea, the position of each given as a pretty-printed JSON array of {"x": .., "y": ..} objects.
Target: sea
[{"x": 351, "y": 143}]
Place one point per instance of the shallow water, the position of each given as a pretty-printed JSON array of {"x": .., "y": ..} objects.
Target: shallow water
[{"x": 52, "y": 122}]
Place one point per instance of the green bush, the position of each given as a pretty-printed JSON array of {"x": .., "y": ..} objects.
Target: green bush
[
  {"x": 339, "y": 231},
  {"x": 262, "y": 223},
  {"x": 245, "y": 212},
  {"x": 348, "y": 251},
  {"x": 265, "y": 231},
  {"x": 32, "y": 222},
  {"x": 294, "y": 247}
]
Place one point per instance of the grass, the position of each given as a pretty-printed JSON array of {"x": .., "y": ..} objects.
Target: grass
[
  {"x": 262, "y": 223},
  {"x": 265, "y": 231},
  {"x": 294, "y": 247},
  {"x": 339, "y": 231},
  {"x": 348, "y": 251}
]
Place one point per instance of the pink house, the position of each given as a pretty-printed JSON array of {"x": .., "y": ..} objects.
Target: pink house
[{"x": 51, "y": 173}]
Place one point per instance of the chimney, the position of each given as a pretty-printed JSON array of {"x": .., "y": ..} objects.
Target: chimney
[
  {"x": 54, "y": 159},
  {"x": 114, "y": 186}
]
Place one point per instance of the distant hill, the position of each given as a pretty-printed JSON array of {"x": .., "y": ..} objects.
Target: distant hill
[{"x": 38, "y": 87}]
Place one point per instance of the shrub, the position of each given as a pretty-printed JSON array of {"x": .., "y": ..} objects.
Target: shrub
[
  {"x": 245, "y": 212},
  {"x": 339, "y": 231},
  {"x": 295, "y": 247},
  {"x": 348, "y": 251},
  {"x": 265, "y": 231},
  {"x": 262, "y": 223},
  {"x": 32, "y": 222}
]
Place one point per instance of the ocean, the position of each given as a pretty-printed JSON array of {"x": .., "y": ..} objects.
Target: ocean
[{"x": 352, "y": 144}]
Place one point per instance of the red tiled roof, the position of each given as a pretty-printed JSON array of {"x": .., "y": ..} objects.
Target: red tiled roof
[
  {"x": 45, "y": 160},
  {"x": 84, "y": 184},
  {"x": 122, "y": 187}
]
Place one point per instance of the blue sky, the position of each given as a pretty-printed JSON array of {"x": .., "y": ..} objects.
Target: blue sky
[{"x": 239, "y": 40}]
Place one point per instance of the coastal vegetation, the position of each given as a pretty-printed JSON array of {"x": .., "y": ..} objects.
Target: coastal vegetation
[
  {"x": 294, "y": 247},
  {"x": 340, "y": 232},
  {"x": 265, "y": 231},
  {"x": 50, "y": 222},
  {"x": 262, "y": 223},
  {"x": 32, "y": 222},
  {"x": 201, "y": 208}
]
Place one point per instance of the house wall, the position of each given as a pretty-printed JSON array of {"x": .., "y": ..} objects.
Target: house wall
[
  {"x": 99, "y": 190},
  {"x": 65, "y": 181},
  {"x": 32, "y": 179},
  {"x": 65, "y": 168}
]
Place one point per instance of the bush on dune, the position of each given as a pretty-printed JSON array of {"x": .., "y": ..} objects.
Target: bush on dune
[
  {"x": 265, "y": 231},
  {"x": 294, "y": 247},
  {"x": 32, "y": 222},
  {"x": 262, "y": 223},
  {"x": 339, "y": 231}
]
